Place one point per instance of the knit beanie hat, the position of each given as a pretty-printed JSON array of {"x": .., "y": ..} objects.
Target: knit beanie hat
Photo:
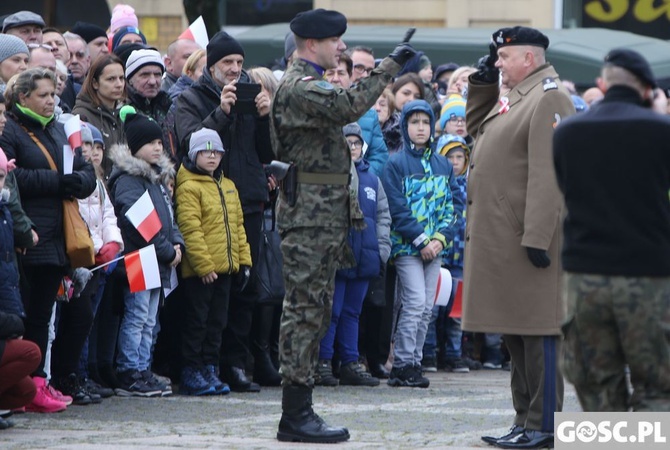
[
  {"x": 204, "y": 139},
  {"x": 122, "y": 32},
  {"x": 141, "y": 58},
  {"x": 353, "y": 129},
  {"x": 96, "y": 135},
  {"x": 220, "y": 46},
  {"x": 140, "y": 130},
  {"x": 123, "y": 16},
  {"x": 88, "y": 31},
  {"x": 11, "y": 45},
  {"x": 123, "y": 51},
  {"x": 86, "y": 135},
  {"x": 454, "y": 106}
]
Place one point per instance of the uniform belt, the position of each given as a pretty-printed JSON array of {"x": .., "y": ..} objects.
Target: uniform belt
[{"x": 323, "y": 178}]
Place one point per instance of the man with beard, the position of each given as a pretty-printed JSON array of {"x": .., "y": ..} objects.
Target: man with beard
[{"x": 246, "y": 138}]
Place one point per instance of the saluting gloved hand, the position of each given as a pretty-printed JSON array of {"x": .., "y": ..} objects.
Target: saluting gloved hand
[
  {"x": 69, "y": 184},
  {"x": 487, "y": 72},
  {"x": 242, "y": 278},
  {"x": 539, "y": 258},
  {"x": 402, "y": 53}
]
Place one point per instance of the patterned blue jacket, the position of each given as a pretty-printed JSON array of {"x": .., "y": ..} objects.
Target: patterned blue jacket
[{"x": 421, "y": 189}]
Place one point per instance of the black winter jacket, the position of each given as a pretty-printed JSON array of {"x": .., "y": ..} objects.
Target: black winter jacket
[
  {"x": 11, "y": 327},
  {"x": 245, "y": 137},
  {"x": 39, "y": 185},
  {"x": 130, "y": 178}
]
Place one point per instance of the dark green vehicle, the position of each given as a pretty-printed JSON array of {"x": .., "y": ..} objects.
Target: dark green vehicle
[{"x": 577, "y": 53}]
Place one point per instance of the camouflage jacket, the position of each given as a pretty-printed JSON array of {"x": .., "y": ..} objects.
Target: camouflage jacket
[{"x": 308, "y": 114}]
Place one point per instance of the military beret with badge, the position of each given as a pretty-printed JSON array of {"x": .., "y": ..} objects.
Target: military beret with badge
[
  {"x": 633, "y": 62},
  {"x": 319, "y": 24},
  {"x": 520, "y": 36}
]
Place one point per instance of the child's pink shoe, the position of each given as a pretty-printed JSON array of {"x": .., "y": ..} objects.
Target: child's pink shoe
[{"x": 43, "y": 402}]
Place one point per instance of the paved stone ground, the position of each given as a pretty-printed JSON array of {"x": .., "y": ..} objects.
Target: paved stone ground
[{"x": 451, "y": 414}]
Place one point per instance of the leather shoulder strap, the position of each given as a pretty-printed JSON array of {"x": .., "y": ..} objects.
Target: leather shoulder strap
[{"x": 52, "y": 164}]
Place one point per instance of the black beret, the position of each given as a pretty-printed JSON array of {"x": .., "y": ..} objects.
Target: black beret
[
  {"x": 88, "y": 31},
  {"x": 633, "y": 62},
  {"x": 520, "y": 36},
  {"x": 319, "y": 24}
]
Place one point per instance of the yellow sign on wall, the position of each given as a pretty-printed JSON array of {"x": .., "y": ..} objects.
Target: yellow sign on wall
[{"x": 149, "y": 26}]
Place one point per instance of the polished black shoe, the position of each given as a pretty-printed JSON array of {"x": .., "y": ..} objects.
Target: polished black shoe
[
  {"x": 379, "y": 371},
  {"x": 265, "y": 373},
  {"x": 491, "y": 440},
  {"x": 529, "y": 439},
  {"x": 238, "y": 381},
  {"x": 299, "y": 422},
  {"x": 71, "y": 385}
]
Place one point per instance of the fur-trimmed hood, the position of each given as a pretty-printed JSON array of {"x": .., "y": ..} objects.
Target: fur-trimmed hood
[{"x": 125, "y": 162}]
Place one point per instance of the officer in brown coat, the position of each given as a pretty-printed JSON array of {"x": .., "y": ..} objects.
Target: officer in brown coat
[
  {"x": 315, "y": 208},
  {"x": 512, "y": 272}
]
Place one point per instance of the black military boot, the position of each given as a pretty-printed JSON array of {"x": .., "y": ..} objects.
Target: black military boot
[
  {"x": 265, "y": 372},
  {"x": 299, "y": 422}
]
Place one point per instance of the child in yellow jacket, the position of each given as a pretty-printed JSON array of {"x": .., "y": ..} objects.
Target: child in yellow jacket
[{"x": 210, "y": 218}]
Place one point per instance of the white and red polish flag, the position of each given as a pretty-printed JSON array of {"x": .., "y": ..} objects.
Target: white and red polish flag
[
  {"x": 142, "y": 269},
  {"x": 73, "y": 131},
  {"x": 144, "y": 217},
  {"x": 196, "y": 32}
]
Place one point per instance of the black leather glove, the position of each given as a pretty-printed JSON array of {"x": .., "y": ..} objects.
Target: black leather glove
[
  {"x": 539, "y": 258},
  {"x": 242, "y": 278},
  {"x": 402, "y": 53},
  {"x": 70, "y": 184},
  {"x": 487, "y": 72}
]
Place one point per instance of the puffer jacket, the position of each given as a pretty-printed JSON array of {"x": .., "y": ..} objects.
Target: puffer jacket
[
  {"x": 130, "y": 178},
  {"x": 372, "y": 245},
  {"x": 39, "y": 185},
  {"x": 98, "y": 213},
  {"x": 210, "y": 218},
  {"x": 422, "y": 192},
  {"x": 245, "y": 137},
  {"x": 376, "y": 152},
  {"x": 10, "y": 296},
  {"x": 107, "y": 121}
]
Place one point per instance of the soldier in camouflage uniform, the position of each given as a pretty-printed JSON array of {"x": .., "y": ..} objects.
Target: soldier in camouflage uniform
[
  {"x": 616, "y": 252},
  {"x": 315, "y": 213}
]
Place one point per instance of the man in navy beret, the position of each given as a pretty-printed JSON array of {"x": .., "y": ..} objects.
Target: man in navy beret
[
  {"x": 315, "y": 208},
  {"x": 616, "y": 251}
]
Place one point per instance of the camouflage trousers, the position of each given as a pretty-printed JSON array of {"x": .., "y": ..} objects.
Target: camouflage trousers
[
  {"x": 311, "y": 258},
  {"x": 614, "y": 322}
]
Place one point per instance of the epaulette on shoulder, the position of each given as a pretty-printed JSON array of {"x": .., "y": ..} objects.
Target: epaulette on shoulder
[{"x": 549, "y": 84}]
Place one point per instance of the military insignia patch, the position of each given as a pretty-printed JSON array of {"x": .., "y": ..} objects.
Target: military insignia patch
[
  {"x": 307, "y": 78},
  {"x": 323, "y": 84},
  {"x": 549, "y": 84}
]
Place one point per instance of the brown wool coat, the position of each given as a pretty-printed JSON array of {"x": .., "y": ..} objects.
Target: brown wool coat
[{"x": 514, "y": 201}]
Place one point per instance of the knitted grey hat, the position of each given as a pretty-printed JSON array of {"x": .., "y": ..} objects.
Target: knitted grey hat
[
  {"x": 353, "y": 129},
  {"x": 141, "y": 58},
  {"x": 10, "y": 45},
  {"x": 86, "y": 134},
  {"x": 204, "y": 139}
]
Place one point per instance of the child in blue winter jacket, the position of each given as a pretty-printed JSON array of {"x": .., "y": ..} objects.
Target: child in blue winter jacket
[{"x": 419, "y": 184}]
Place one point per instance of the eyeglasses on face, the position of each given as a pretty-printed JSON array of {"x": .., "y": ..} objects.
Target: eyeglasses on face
[
  {"x": 361, "y": 69},
  {"x": 457, "y": 120},
  {"x": 210, "y": 153},
  {"x": 355, "y": 144}
]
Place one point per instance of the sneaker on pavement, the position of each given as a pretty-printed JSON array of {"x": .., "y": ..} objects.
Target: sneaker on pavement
[
  {"x": 429, "y": 364},
  {"x": 491, "y": 365},
  {"x": 408, "y": 376},
  {"x": 209, "y": 374},
  {"x": 158, "y": 382},
  {"x": 354, "y": 374},
  {"x": 131, "y": 384},
  {"x": 471, "y": 363},
  {"x": 456, "y": 365},
  {"x": 323, "y": 376},
  {"x": 43, "y": 401},
  {"x": 193, "y": 383},
  {"x": 96, "y": 389},
  {"x": 70, "y": 385}
]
